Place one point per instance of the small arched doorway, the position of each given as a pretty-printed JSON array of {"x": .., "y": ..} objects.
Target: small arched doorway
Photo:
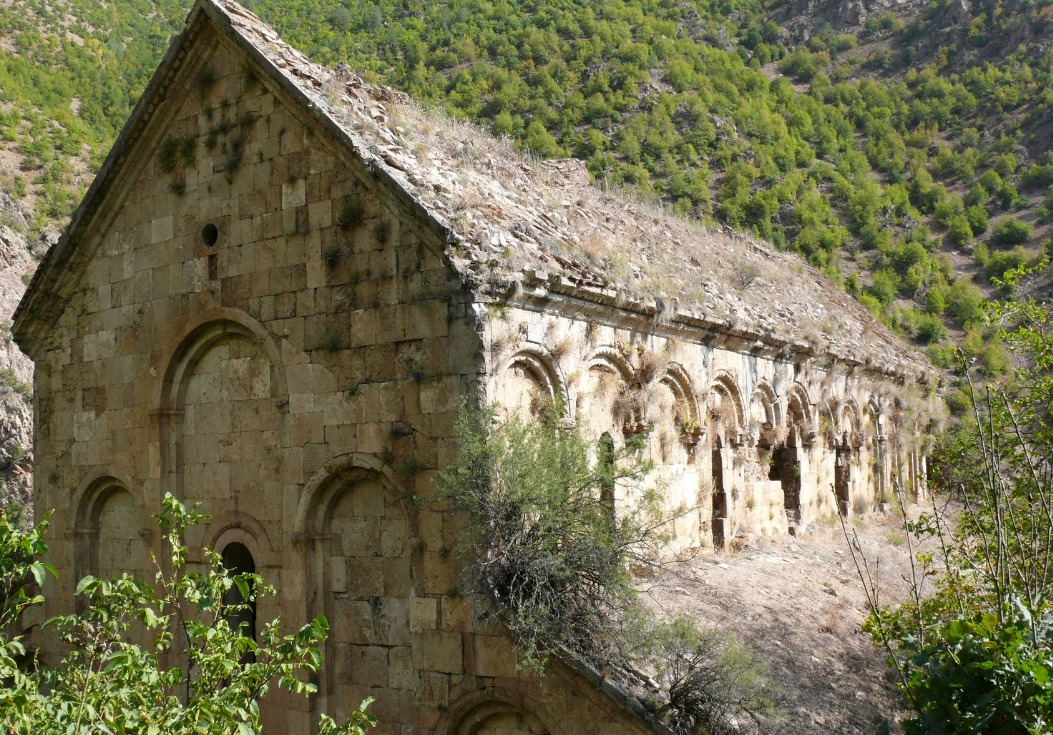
[
  {"x": 843, "y": 477},
  {"x": 719, "y": 521},
  {"x": 239, "y": 609},
  {"x": 605, "y": 465}
]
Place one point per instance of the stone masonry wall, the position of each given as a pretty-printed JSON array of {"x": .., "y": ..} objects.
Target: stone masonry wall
[
  {"x": 748, "y": 441},
  {"x": 261, "y": 329}
]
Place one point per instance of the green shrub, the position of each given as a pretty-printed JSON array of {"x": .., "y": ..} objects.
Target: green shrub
[
  {"x": 108, "y": 684},
  {"x": 1004, "y": 260},
  {"x": 1006, "y": 164},
  {"x": 966, "y": 302},
  {"x": 991, "y": 181},
  {"x": 976, "y": 195},
  {"x": 981, "y": 254},
  {"x": 930, "y": 329},
  {"x": 973, "y": 655},
  {"x": 885, "y": 286},
  {"x": 1009, "y": 198},
  {"x": 943, "y": 356},
  {"x": 936, "y": 299},
  {"x": 871, "y": 304},
  {"x": 1011, "y": 231},
  {"x": 960, "y": 230},
  {"x": 1037, "y": 176},
  {"x": 547, "y": 549},
  {"x": 977, "y": 216}
]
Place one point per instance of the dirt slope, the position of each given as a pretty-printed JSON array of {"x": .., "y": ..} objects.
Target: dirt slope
[{"x": 800, "y": 604}]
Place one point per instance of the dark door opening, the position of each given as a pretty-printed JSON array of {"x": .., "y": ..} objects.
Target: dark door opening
[
  {"x": 240, "y": 613},
  {"x": 786, "y": 468},
  {"x": 843, "y": 478},
  {"x": 719, "y": 520}
]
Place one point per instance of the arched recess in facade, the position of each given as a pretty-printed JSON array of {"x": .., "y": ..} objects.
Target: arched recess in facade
[
  {"x": 676, "y": 417},
  {"x": 355, "y": 526},
  {"x": 764, "y": 416},
  {"x": 874, "y": 443},
  {"x": 727, "y": 415},
  {"x": 606, "y": 378},
  {"x": 799, "y": 419},
  {"x": 111, "y": 529},
  {"x": 495, "y": 712},
  {"x": 529, "y": 382},
  {"x": 788, "y": 458},
  {"x": 223, "y": 414},
  {"x": 848, "y": 481},
  {"x": 850, "y": 423},
  {"x": 727, "y": 420}
]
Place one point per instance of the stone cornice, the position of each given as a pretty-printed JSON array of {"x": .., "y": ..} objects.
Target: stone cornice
[{"x": 553, "y": 293}]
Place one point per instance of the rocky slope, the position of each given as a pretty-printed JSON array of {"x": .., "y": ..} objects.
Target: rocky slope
[{"x": 16, "y": 371}]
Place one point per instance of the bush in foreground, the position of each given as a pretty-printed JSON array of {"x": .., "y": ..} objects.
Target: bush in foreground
[
  {"x": 551, "y": 556},
  {"x": 113, "y": 681},
  {"x": 976, "y": 654}
]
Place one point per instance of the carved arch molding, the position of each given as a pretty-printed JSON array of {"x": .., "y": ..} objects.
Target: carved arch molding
[{"x": 490, "y": 713}]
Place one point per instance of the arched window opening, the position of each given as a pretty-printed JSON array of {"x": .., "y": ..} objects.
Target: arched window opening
[
  {"x": 720, "y": 524},
  {"x": 240, "y": 613},
  {"x": 605, "y": 465},
  {"x": 843, "y": 478}
]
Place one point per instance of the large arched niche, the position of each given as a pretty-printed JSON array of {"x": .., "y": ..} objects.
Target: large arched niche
[
  {"x": 799, "y": 415},
  {"x": 607, "y": 376},
  {"x": 194, "y": 341},
  {"x": 873, "y": 420},
  {"x": 111, "y": 529},
  {"x": 764, "y": 415},
  {"x": 850, "y": 422},
  {"x": 223, "y": 409},
  {"x": 676, "y": 417},
  {"x": 826, "y": 424},
  {"x": 353, "y": 522},
  {"x": 529, "y": 382},
  {"x": 495, "y": 712},
  {"x": 726, "y": 413}
]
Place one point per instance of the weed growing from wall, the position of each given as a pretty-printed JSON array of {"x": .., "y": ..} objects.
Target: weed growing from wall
[{"x": 551, "y": 557}]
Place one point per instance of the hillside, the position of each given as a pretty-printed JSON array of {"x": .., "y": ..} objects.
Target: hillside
[
  {"x": 904, "y": 150},
  {"x": 904, "y": 156}
]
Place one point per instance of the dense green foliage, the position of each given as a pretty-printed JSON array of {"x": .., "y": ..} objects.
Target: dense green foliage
[
  {"x": 976, "y": 654},
  {"x": 840, "y": 153},
  {"x": 112, "y": 680},
  {"x": 71, "y": 82},
  {"x": 546, "y": 551}
]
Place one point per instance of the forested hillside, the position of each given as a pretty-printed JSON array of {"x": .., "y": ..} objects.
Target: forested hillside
[{"x": 908, "y": 155}]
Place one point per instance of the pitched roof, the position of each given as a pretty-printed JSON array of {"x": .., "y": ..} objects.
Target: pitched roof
[{"x": 512, "y": 222}]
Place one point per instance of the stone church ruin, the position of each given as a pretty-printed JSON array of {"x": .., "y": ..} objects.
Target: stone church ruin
[{"x": 285, "y": 280}]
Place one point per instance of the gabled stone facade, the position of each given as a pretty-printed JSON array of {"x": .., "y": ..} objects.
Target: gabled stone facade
[{"x": 266, "y": 307}]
